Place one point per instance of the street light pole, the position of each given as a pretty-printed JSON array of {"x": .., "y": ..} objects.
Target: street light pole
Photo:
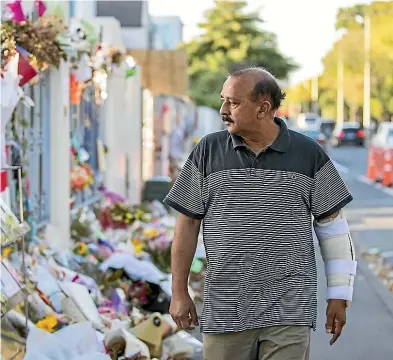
[
  {"x": 340, "y": 86},
  {"x": 314, "y": 94},
  {"x": 367, "y": 72}
]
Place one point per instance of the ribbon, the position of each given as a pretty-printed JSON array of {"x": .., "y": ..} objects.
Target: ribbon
[
  {"x": 130, "y": 72},
  {"x": 25, "y": 70},
  {"x": 17, "y": 11},
  {"x": 40, "y": 6}
]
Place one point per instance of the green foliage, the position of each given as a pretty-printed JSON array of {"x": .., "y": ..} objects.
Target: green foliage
[
  {"x": 231, "y": 37},
  {"x": 351, "y": 46},
  {"x": 352, "y": 18}
]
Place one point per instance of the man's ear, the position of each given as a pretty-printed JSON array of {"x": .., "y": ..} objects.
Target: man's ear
[{"x": 264, "y": 107}]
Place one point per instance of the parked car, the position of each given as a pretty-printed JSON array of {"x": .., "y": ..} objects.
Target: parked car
[
  {"x": 315, "y": 134},
  {"x": 384, "y": 135},
  {"x": 327, "y": 127},
  {"x": 349, "y": 134},
  {"x": 306, "y": 120}
]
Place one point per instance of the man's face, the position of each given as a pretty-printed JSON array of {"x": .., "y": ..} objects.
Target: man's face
[{"x": 238, "y": 111}]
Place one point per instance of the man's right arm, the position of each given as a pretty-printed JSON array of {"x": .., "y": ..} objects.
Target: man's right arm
[
  {"x": 186, "y": 197},
  {"x": 183, "y": 251},
  {"x": 182, "y": 309}
]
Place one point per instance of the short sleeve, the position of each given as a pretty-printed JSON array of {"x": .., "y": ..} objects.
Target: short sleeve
[
  {"x": 186, "y": 193},
  {"x": 329, "y": 193}
]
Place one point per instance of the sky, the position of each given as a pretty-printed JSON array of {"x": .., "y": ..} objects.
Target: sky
[{"x": 304, "y": 28}]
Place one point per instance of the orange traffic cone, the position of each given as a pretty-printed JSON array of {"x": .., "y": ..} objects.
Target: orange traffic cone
[
  {"x": 387, "y": 179},
  {"x": 371, "y": 165}
]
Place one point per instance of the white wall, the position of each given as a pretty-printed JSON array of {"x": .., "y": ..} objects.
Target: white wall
[
  {"x": 133, "y": 109},
  {"x": 123, "y": 112},
  {"x": 208, "y": 121},
  {"x": 58, "y": 229},
  {"x": 122, "y": 118},
  {"x": 123, "y": 135},
  {"x": 85, "y": 9},
  {"x": 112, "y": 32},
  {"x": 136, "y": 38},
  {"x": 147, "y": 135}
]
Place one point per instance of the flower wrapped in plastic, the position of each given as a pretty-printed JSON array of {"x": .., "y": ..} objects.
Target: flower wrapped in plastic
[
  {"x": 119, "y": 215},
  {"x": 39, "y": 40},
  {"x": 81, "y": 177},
  {"x": 48, "y": 323},
  {"x": 154, "y": 239},
  {"x": 74, "y": 342}
]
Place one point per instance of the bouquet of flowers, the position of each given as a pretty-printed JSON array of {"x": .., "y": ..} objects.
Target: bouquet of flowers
[
  {"x": 119, "y": 215},
  {"x": 37, "y": 40},
  {"x": 81, "y": 249},
  {"x": 156, "y": 239},
  {"x": 81, "y": 177},
  {"x": 49, "y": 323}
]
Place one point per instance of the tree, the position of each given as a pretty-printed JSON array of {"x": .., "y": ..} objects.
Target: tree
[
  {"x": 231, "y": 37},
  {"x": 352, "y": 52},
  {"x": 381, "y": 15},
  {"x": 300, "y": 95},
  {"x": 353, "y": 58}
]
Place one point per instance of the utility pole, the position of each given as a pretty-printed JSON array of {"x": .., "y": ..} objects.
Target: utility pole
[
  {"x": 314, "y": 94},
  {"x": 367, "y": 72},
  {"x": 340, "y": 86}
]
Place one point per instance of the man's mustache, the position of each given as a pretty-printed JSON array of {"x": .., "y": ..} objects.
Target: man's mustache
[{"x": 226, "y": 118}]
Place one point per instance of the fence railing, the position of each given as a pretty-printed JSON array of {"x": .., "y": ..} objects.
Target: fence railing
[{"x": 28, "y": 140}]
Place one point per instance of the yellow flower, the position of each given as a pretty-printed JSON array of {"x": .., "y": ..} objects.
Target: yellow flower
[
  {"x": 151, "y": 233},
  {"x": 48, "y": 323},
  {"x": 138, "y": 246},
  {"x": 81, "y": 248},
  {"x": 6, "y": 253}
]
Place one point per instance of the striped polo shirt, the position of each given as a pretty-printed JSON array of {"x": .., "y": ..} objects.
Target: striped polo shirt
[{"x": 257, "y": 214}]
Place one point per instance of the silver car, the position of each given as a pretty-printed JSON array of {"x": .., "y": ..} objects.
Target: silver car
[{"x": 316, "y": 135}]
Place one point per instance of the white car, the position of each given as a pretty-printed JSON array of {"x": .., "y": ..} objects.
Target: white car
[
  {"x": 384, "y": 135},
  {"x": 307, "y": 120}
]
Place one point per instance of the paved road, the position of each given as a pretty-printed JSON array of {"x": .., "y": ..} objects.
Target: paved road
[
  {"x": 369, "y": 332},
  {"x": 371, "y": 212}
]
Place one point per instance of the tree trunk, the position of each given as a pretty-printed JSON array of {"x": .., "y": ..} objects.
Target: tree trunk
[{"x": 353, "y": 110}]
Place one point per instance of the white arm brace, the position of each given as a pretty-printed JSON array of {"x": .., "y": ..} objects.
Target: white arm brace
[{"x": 338, "y": 254}]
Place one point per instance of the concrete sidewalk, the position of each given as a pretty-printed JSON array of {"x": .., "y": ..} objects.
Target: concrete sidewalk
[{"x": 369, "y": 330}]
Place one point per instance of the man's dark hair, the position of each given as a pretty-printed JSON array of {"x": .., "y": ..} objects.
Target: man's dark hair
[{"x": 265, "y": 85}]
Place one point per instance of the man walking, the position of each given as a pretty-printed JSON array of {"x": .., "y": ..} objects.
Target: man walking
[{"x": 256, "y": 186}]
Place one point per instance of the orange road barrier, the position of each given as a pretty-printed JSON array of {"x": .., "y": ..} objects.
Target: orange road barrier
[
  {"x": 387, "y": 179},
  {"x": 379, "y": 163},
  {"x": 371, "y": 164}
]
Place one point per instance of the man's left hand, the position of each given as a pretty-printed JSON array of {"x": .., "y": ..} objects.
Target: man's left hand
[{"x": 335, "y": 318}]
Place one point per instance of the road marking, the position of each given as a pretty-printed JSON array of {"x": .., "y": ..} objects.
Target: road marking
[
  {"x": 363, "y": 179},
  {"x": 388, "y": 191},
  {"x": 340, "y": 168},
  {"x": 377, "y": 186}
]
